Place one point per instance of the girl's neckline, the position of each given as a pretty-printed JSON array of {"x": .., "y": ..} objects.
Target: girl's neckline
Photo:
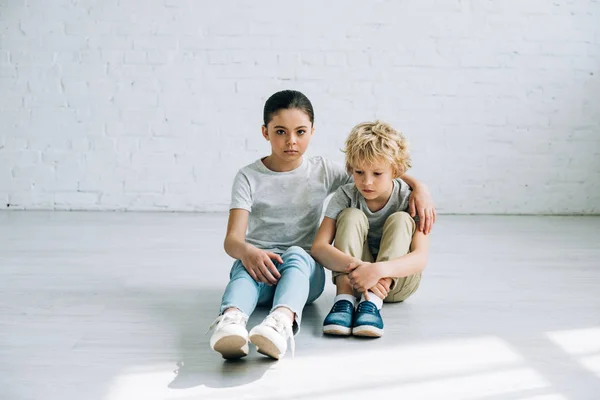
[{"x": 265, "y": 168}]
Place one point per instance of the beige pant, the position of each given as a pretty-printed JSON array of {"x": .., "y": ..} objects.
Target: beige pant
[{"x": 352, "y": 227}]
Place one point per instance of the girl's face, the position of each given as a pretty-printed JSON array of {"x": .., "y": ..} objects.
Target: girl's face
[
  {"x": 289, "y": 132},
  {"x": 374, "y": 181}
]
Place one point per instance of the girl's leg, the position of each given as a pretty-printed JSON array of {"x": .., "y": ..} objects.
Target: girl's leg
[
  {"x": 302, "y": 280},
  {"x": 242, "y": 291},
  {"x": 230, "y": 337},
  {"x": 398, "y": 231}
]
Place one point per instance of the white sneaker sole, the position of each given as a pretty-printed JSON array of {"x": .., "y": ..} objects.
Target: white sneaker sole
[
  {"x": 337, "y": 330},
  {"x": 265, "y": 346},
  {"x": 232, "y": 347},
  {"x": 367, "y": 331}
]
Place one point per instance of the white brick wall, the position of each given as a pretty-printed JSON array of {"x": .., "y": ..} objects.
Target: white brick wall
[{"x": 154, "y": 104}]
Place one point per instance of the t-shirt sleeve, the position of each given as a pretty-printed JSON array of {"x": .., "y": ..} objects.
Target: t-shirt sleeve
[
  {"x": 339, "y": 202},
  {"x": 241, "y": 195},
  {"x": 336, "y": 176}
]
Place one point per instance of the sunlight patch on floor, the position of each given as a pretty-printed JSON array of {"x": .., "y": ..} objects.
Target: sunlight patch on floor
[
  {"x": 592, "y": 363},
  {"x": 577, "y": 341},
  {"x": 582, "y": 343},
  {"x": 455, "y": 369}
]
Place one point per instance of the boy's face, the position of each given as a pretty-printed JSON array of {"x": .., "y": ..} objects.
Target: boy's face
[
  {"x": 374, "y": 181},
  {"x": 289, "y": 132}
]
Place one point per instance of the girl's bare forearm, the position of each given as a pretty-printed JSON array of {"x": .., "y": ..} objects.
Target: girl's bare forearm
[
  {"x": 236, "y": 248},
  {"x": 412, "y": 182}
]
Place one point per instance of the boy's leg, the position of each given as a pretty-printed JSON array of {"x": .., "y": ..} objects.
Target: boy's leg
[
  {"x": 230, "y": 337},
  {"x": 351, "y": 238},
  {"x": 352, "y": 227},
  {"x": 398, "y": 231},
  {"x": 302, "y": 281}
]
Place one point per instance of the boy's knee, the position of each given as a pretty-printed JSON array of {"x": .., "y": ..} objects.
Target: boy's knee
[
  {"x": 351, "y": 221},
  {"x": 401, "y": 219},
  {"x": 352, "y": 215}
]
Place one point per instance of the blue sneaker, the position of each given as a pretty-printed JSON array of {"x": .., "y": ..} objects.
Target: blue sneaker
[
  {"x": 339, "y": 320},
  {"x": 367, "y": 320}
]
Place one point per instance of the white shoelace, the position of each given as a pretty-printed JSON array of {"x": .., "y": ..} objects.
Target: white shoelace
[
  {"x": 228, "y": 318},
  {"x": 281, "y": 324}
]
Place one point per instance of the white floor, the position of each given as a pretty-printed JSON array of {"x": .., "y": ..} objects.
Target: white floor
[{"x": 115, "y": 306}]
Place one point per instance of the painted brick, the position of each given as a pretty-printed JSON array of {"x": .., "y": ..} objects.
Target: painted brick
[{"x": 117, "y": 106}]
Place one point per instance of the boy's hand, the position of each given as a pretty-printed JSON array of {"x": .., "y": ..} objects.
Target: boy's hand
[
  {"x": 381, "y": 289},
  {"x": 363, "y": 275},
  {"x": 260, "y": 267},
  {"x": 421, "y": 203}
]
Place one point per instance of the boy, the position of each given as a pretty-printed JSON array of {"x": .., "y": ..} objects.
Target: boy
[{"x": 368, "y": 221}]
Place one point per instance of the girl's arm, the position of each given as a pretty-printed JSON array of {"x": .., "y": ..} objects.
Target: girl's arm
[
  {"x": 327, "y": 255},
  {"x": 256, "y": 261},
  {"x": 420, "y": 203},
  {"x": 235, "y": 238},
  {"x": 412, "y": 182}
]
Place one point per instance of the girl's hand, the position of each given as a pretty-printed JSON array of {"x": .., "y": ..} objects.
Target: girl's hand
[
  {"x": 260, "y": 267},
  {"x": 363, "y": 275},
  {"x": 421, "y": 203}
]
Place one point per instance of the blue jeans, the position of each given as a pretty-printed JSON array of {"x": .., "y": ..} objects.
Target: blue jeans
[{"x": 302, "y": 282}]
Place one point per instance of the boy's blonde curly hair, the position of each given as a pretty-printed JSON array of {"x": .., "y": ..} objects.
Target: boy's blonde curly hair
[{"x": 370, "y": 142}]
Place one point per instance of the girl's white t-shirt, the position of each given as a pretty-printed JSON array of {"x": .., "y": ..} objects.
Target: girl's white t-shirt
[{"x": 285, "y": 207}]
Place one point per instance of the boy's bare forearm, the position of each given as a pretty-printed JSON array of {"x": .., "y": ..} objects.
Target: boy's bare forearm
[
  {"x": 332, "y": 258},
  {"x": 409, "y": 264}
]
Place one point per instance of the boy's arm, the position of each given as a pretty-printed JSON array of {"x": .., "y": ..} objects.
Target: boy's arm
[
  {"x": 364, "y": 276},
  {"x": 327, "y": 255},
  {"x": 411, "y": 263},
  {"x": 420, "y": 203}
]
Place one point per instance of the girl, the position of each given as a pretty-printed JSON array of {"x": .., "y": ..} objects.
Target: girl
[{"x": 276, "y": 205}]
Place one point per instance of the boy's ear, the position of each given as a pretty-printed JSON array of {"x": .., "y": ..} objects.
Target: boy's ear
[{"x": 265, "y": 133}]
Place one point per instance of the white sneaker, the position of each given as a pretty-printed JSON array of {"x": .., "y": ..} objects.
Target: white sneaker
[
  {"x": 230, "y": 337},
  {"x": 270, "y": 336}
]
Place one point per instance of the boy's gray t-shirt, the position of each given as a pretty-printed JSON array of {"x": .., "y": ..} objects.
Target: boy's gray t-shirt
[
  {"x": 348, "y": 196},
  {"x": 285, "y": 207}
]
